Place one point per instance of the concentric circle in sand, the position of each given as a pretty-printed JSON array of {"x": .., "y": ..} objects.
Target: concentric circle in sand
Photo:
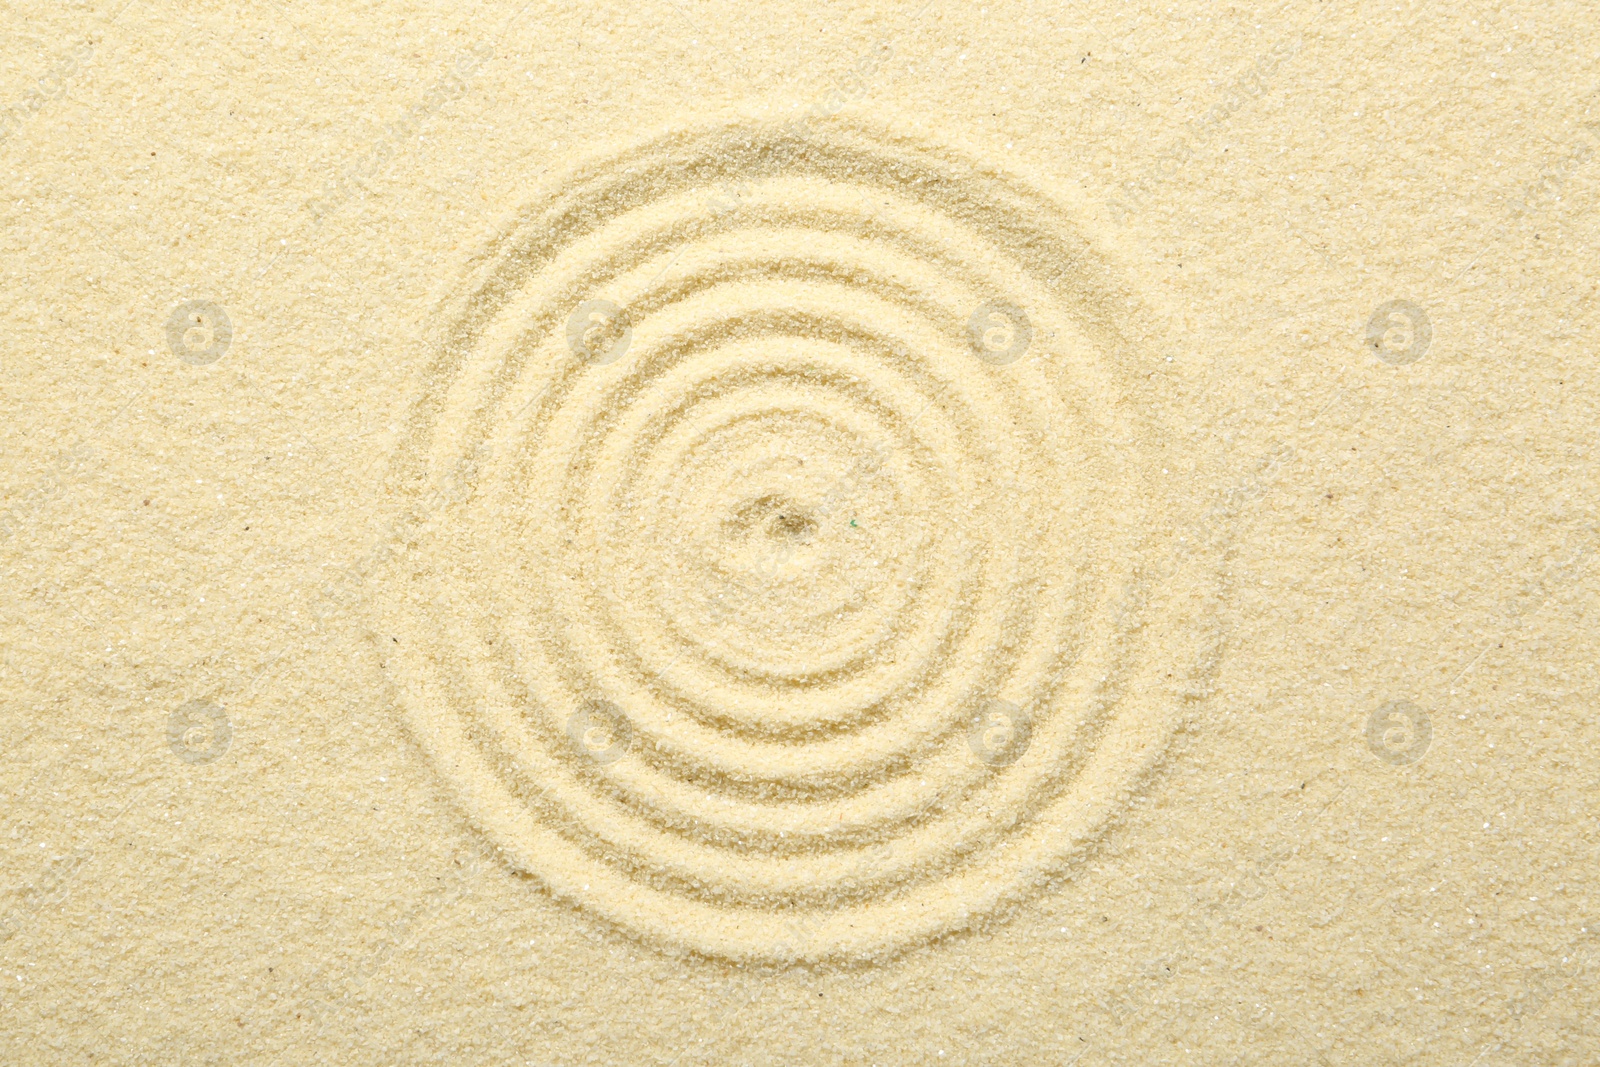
[{"x": 778, "y": 494}]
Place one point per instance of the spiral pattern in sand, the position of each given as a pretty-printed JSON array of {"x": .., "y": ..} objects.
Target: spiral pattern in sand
[{"x": 782, "y": 492}]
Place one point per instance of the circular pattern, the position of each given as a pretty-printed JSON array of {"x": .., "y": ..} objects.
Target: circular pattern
[
  {"x": 198, "y": 732},
  {"x": 786, "y": 629},
  {"x": 1398, "y": 332},
  {"x": 1399, "y": 732},
  {"x": 199, "y": 332}
]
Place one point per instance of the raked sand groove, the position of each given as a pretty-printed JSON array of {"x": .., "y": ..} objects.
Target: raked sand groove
[{"x": 781, "y": 499}]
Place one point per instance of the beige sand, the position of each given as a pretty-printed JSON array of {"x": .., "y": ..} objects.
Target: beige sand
[{"x": 786, "y": 534}]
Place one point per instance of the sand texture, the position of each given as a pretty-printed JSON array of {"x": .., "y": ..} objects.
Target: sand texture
[{"x": 760, "y": 534}]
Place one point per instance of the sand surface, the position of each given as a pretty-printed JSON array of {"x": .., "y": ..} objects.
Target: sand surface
[{"x": 677, "y": 533}]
